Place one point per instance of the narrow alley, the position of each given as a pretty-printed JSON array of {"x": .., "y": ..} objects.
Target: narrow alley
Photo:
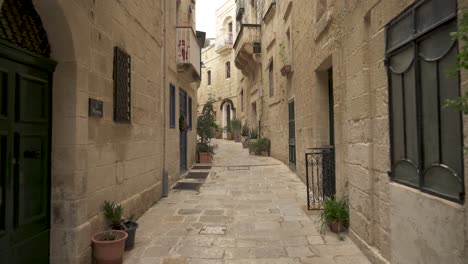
[{"x": 249, "y": 210}]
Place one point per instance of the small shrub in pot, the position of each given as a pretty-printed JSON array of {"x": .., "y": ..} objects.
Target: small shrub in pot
[{"x": 335, "y": 214}]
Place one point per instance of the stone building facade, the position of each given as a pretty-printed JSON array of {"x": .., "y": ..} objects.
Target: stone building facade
[
  {"x": 219, "y": 80},
  {"x": 346, "y": 58},
  {"x": 101, "y": 140}
]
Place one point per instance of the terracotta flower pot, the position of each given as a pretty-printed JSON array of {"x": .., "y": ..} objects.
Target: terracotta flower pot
[
  {"x": 205, "y": 157},
  {"x": 109, "y": 251},
  {"x": 286, "y": 70},
  {"x": 336, "y": 227}
]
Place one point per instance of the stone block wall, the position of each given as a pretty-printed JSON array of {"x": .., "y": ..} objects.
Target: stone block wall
[
  {"x": 214, "y": 59},
  {"x": 389, "y": 221},
  {"x": 97, "y": 159}
]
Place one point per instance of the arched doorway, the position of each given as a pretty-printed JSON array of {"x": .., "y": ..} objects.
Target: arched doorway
[
  {"x": 228, "y": 113},
  {"x": 26, "y": 72}
]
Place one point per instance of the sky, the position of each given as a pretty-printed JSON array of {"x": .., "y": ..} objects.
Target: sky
[{"x": 206, "y": 18}]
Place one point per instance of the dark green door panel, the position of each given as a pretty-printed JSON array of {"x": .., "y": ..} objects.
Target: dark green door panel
[{"x": 25, "y": 112}]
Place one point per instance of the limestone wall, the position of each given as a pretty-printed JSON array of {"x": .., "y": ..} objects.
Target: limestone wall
[
  {"x": 97, "y": 159},
  {"x": 390, "y": 222},
  {"x": 214, "y": 59}
]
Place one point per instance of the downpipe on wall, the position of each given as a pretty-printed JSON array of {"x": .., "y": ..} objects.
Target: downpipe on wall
[{"x": 165, "y": 180}]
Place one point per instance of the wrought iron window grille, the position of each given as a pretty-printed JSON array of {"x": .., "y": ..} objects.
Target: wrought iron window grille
[
  {"x": 122, "y": 86},
  {"x": 426, "y": 138}
]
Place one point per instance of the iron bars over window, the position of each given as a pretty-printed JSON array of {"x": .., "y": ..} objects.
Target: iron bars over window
[
  {"x": 426, "y": 137},
  {"x": 122, "y": 86}
]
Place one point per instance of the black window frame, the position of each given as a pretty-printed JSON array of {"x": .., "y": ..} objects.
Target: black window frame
[
  {"x": 414, "y": 43},
  {"x": 189, "y": 112},
  {"x": 209, "y": 76},
  {"x": 121, "y": 75},
  {"x": 172, "y": 106},
  {"x": 271, "y": 79},
  {"x": 242, "y": 100}
]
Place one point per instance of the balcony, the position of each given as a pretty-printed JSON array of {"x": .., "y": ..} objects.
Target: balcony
[
  {"x": 248, "y": 48},
  {"x": 224, "y": 43},
  {"x": 188, "y": 52}
]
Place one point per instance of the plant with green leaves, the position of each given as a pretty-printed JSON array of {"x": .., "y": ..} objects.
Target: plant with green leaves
[
  {"x": 282, "y": 53},
  {"x": 245, "y": 130},
  {"x": 335, "y": 213},
  {"x": 206, "y": 123},
  {"x": 261, "y": 146},
  {"x": 461, "y": 103},
  {"x": 253, "y": 133},
  {"x": 114, "y": 215}
]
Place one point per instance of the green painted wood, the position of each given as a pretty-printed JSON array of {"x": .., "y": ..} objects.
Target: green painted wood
[{"x": 25, "y": 114}]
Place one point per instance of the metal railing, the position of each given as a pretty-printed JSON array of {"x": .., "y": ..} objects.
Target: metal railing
[
  {"x": 320, "y": 176},
  {"x": 227, "y": 40},
  {"x": 188, "y": 49},
  {"x": 248, "y": 33}
]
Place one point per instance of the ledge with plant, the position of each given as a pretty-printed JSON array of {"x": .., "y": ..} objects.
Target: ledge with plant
[{"x": 286, "y": 70}]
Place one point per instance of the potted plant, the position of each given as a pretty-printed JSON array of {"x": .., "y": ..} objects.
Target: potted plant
[
  {"x": 253, "y": 140},
  {"x": 236, "y": 127},
  {"x": 286, "y": 70},
  {"x": 206, "y": 130},
  {"x": 335, "y": 214},
  {"x": 108, "y": 246},
  {"x": 114, "y": 216},
  {"x": 228, "y": 130},
  {"x": 245, "y": 136},
  {"x": 261, "y": 147}
]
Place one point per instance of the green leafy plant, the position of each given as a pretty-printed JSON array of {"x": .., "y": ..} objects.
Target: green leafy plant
[
  {"x": 245, "y": 131},
  {"x": 253, "y": 133},
  {"x": 282, "y": 53},
  {"x": 206, "y": 148},
  {"x": 335, "y": 211},
  {"x": 107, "y": 236},
  {"x": 261, "y": 145},
  {"x": 114, "y": 215},
  {"x": 461, "y": 103},
  {"x": 206, "y": 126},
  {"x": 236, "y": 125}
]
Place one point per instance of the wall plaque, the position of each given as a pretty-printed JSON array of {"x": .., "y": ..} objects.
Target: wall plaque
[{"x": 95, "y": 108}]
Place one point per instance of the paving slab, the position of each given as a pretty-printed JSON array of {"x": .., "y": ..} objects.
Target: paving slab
[{"x": 261, "y": 212}]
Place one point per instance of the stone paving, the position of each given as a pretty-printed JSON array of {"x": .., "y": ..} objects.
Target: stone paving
[{"x": 249, "y": 210}]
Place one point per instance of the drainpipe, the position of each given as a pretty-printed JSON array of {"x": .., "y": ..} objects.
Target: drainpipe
[{"x": 165, "y": 180}]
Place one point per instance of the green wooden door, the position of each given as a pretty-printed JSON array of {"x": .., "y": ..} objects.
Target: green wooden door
[{"x": 24, "y": 157}]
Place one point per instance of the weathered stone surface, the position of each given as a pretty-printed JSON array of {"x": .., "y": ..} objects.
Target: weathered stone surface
[{"x": 256, "y": 232}]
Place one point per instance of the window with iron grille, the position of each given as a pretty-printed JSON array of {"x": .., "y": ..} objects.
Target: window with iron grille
[
  {"x": 209, "y": 77},
  {"x": 122, "y": 88},
  {"x": 426, "y": 137},
  {"x": 172, "y": 106},
  {"x": 242, "y": 100},
  {"x": 271, "y": 80},
  {"x": 228, "y": 70},
  {"x": 190, "y": 112}
]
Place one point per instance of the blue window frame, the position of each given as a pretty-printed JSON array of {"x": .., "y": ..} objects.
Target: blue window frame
[
  {"x": 190, "y": 112},
  {"x": 172, "y": 110}
]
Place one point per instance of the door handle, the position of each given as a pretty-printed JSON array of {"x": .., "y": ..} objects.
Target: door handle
[{"x": 31, "y": 154}]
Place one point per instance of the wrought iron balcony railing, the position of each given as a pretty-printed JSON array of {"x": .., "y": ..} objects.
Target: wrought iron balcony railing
[
  {"x": 188, "y": 49},
  {"x": 227, "y": 40}
]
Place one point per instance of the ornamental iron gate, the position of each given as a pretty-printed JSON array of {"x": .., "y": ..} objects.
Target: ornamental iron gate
[{"x": 320, "y": 176}]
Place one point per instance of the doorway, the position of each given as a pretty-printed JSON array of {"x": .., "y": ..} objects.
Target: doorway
[
  {"x": 25, "y": 125},
  {"x": 292, "y": 135},
  {"x": 183, "y": 130}
]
